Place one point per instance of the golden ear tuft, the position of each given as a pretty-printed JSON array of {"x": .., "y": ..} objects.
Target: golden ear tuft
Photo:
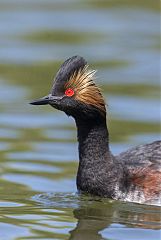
[{"x": 85, "y": 89}]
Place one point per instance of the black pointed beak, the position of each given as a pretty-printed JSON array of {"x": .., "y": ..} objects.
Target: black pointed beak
[{"x": 41, "y": 101}]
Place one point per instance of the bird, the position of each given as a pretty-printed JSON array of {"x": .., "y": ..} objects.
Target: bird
[{"x": 133, "y": 175}]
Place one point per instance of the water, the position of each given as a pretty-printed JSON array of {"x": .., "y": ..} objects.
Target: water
[{"x": 38, "y": 148}]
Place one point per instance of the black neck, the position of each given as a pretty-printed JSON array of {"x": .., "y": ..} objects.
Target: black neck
[
  {"x": 93, "y": 138},
  {"x": 97, "y": 172}
]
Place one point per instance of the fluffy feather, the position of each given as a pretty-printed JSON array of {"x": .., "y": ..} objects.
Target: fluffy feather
[{"x": 85, "y": 90}]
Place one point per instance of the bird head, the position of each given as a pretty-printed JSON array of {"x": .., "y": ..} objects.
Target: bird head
[{"x": 74, "y": 90}]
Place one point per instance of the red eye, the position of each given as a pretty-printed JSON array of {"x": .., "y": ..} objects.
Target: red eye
[{"x": 69, "y": 92}]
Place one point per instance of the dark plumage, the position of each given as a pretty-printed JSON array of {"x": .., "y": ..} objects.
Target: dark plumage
[{"x": 134, "y": 175}]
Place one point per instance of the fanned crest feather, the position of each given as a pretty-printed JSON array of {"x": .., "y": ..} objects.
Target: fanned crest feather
[{"x": 85, "y": 89}]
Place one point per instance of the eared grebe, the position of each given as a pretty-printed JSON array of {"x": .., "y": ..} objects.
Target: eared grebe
[{"x": 134, "y": 175}]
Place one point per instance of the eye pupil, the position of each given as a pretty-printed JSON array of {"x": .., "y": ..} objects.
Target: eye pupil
[{"x": 69, "y": 92}]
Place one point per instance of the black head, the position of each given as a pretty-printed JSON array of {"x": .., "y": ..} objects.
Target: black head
[{"x": 74, "y": 90}]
